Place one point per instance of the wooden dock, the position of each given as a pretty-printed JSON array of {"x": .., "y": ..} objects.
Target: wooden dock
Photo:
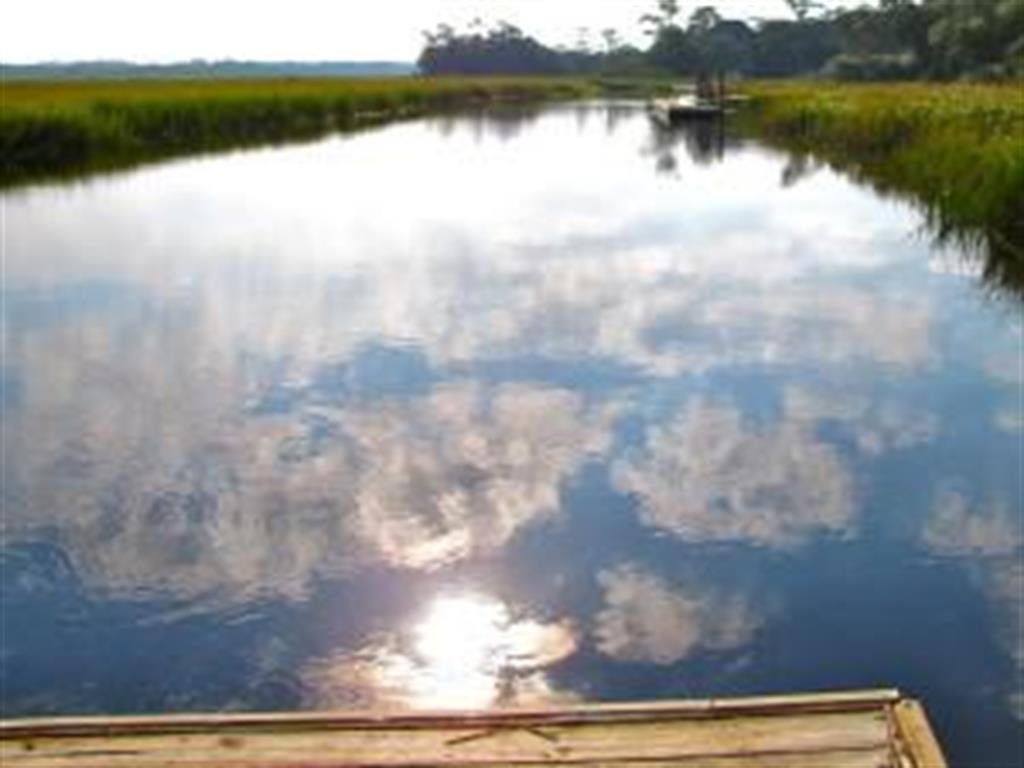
[{"x": 864, "y": 729}]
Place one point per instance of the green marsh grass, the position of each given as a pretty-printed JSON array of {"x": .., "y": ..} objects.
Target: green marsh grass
[
  {"x": 957, "y": 149},
  {"x": 60, "y": 128}
]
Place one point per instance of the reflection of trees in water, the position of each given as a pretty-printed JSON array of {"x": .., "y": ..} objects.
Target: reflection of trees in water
[
  {"x": 994, "y": 255},
  {"x": 994, "y": 252},
  {"x": 502, "y": 122},
  {"x": 616, "y": 114},
  {"x": 508, "y": 121},
  {"x": 799, "y": 166},
  {"x": 612, "y": 114},
  {"x": 704, "y": 141},
  {"x": 581, "y": 117}
]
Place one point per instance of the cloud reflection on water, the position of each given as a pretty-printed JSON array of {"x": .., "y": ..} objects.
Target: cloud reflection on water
[
  {"x": 877, "y": 425},
  {"x": 709, "y": 476},
  {"x": 645, "y": 619},
  {"x": 263, "y": 504},
  {"x": 460, "y": 471},
  {"x": 148, "y": 434},
  {"x": 987, "y": 538},
  {"x": 236, "y": 390},
  {"x": 959, "y": 528}
]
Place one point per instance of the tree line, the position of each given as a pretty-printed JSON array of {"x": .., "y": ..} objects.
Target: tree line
[{"x": 896, "y": 39}]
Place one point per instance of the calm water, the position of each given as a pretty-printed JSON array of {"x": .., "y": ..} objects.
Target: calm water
[{"x": 505, "y": 409}]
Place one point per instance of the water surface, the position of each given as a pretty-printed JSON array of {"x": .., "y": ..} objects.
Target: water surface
[{"x": 505, "y": 408}]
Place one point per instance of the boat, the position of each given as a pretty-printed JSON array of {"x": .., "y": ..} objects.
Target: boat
[
  {"x": 671, "y": 111},
  {"x": 858, "y": 729}
]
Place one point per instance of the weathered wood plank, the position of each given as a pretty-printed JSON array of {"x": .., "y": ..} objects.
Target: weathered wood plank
[
  {"x": 663, "y": 740},
  {"x": 916, "y": 742},
  {"x": 844, "y": 731},
  {"x": 833, "y": 759},
  {"x": 781, "y": 704}
]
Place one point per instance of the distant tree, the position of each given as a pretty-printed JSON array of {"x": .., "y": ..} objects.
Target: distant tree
[
  {"x": 612, "y": 41},
  {"x": 504, "y": 49},
  {"x": 708, "y": 44},
  {"x": 723, "y": 45},
  {"x": 981, "y": 37},
  {"x": 443, "y": 35},
  {"x": 908, "y": 21},
  {"x": 583, "y": 40},
  {"x": 787, "y": 48},
  {"x": 625, "y": 60},
  {"x": 802, "y": 9},
  {"x": 865, "y": 30},
  {"x": 703, "y": 20},
  {"x": 1010, "y": 15},
  {"x": 730, "y": 45},
  {"x": 674, "y": 51},
  {"x": 664, "y": 17},
  {"x": 890, "y": 39}
]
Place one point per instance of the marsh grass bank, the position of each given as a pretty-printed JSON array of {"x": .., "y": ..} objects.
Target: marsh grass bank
[
  {"x": 60, "y": 128},
  {"x": 958, "y": 150}
]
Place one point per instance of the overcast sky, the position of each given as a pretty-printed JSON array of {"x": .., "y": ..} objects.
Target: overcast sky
[{"x": 64, "y": 30}]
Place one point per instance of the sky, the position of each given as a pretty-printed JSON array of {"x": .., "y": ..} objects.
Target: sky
[{"x": 274, "y": 30}]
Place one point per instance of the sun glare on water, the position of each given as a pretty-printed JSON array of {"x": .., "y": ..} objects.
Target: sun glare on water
[
  {"x": 461, "y": 649},
  {"x": 464, "y": 651}
]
